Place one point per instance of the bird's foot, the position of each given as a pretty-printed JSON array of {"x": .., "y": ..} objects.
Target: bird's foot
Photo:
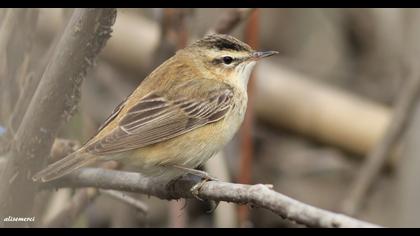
[
  {"x": 205, "y": 177},
  {"x": 195, "y": 190}
]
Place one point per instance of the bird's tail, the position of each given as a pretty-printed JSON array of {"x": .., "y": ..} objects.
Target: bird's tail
[{"x": 64, "y": 166}]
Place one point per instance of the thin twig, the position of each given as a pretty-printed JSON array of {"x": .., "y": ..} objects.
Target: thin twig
[
  {"x": 17, "y": 76},
  {"x": 376, "y": 159},
  {"x": 139, "y": 205},
  {"x": 68, "y": 215},
  {"x": 258, "y": 195},
  {"x": 82, "y": 199}
]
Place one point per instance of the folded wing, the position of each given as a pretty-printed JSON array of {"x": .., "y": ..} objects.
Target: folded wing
[{"x": 156, "y": 117}]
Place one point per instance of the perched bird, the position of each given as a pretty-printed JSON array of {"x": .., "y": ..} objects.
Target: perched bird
[{"x": 183, "y": 113}]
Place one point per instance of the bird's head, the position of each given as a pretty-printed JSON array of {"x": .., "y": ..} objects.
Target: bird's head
[{"x": 225, "y": 57}]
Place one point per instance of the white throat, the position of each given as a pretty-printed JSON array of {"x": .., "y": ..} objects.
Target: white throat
[{"x": 244, "y": 73}]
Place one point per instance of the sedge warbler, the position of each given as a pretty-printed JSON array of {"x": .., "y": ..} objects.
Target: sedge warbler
[{"x": 183, "y": 113}]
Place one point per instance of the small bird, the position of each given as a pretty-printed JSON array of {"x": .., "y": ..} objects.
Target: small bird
[{"x": 180, "y": 115}]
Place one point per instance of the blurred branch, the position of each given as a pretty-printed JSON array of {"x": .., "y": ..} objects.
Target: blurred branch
[
  {"x": 370, "y": 169},
  {"x": 258, "y": 195},
  {"x": 29, "y": 87},
  {"x": 108, "y": 77},
  {"x": 131, "y": 31},
  {"x": 173, "y": 33},
  {"x": 139, "y": 205},
  {"x": 328, "y": 114},
  {"x": 59, "y": 149},
  {"x": 7, "y": 34},
  {"x": 54, "y": 101},
  {"x": 18, "y": 81},
  {"x": 173, "y": 26},
  {"x": 16, "y": 40},
  {"x": 67, "y": 216},
  {"x": 62, "y": 148},
  {"x": 6, "y": 29},
  {"x": 82, "y": 199},
  {"x": 17, "y": 60},
  {"x": 50, "y": 204},
  {"x": 230, "y": 19}
]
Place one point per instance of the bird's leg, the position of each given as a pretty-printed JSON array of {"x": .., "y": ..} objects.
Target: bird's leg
[
  {"x": 199, "y": 173},
  {"x": 195, "y": 190}
]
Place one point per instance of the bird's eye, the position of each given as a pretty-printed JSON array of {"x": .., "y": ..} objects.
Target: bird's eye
[{"x": 227, "y": 60}]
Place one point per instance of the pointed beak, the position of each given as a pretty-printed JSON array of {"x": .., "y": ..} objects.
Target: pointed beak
[{"x": 259, "y": 55}]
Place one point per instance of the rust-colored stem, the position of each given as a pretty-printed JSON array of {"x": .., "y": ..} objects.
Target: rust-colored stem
[{"x": 247, "y": 147}]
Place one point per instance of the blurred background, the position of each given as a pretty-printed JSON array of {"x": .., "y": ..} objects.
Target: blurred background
[{"x": 317, "y": 110}]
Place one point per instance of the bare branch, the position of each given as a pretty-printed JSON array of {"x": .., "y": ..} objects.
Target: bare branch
[
  {"x": 54, "y": 101},
  {"x": 258, "y": 195},
  {"x": 371, "y": 167}
]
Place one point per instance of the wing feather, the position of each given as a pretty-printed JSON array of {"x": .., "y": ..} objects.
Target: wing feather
[{"x": 157, "y": 118}]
